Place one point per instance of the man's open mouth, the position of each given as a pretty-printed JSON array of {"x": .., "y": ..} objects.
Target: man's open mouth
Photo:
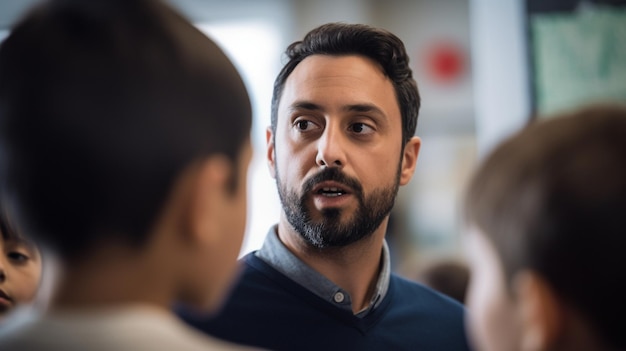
[
  {"x": 330, "y": 189},
  {"x": 331, "y": 192}
]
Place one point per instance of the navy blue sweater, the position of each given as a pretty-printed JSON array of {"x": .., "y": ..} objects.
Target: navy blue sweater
[{"x": 269, "y": 310}]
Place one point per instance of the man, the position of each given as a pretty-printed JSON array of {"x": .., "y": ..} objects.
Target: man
[
  {"x": 127, "y": 139},
  {"x": 344, "y": 113},
  {"x": 545, "y": 216}
]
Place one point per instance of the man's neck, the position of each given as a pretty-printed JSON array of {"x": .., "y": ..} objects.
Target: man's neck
[{"x": 354, "y": 268}]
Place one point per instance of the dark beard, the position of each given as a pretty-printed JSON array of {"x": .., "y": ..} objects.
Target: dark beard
[{"x": 330, "y": 231}]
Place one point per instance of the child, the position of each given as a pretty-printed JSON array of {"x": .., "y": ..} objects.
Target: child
[
  {"x": 127, "y": 139},
  {"x": 546, "y": 213},
  {"x": 20, "y": 267}
]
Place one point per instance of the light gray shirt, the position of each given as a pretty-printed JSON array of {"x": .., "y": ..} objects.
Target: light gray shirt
[
  {"x": 120, "y": 328},
  {"x": 276, "y": 254}
]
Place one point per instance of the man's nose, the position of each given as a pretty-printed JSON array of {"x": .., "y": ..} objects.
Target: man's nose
[{"x": 330, "y": 148}]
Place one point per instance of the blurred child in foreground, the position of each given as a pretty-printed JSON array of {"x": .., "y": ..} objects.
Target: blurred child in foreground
[
  {"x": 127, "y": 139},
  {"x": 546, "y": 215}
]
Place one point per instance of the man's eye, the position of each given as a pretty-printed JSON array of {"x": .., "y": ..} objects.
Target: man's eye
[
  {"x": 304, "y": 125},
  {"x": 361, "y": 128}
]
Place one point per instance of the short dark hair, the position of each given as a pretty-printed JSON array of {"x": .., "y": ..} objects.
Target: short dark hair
[
  {"x": 553, "y": 199},
  {"x": 379, "y": 45},
  {"x": 103, "y": 104}
]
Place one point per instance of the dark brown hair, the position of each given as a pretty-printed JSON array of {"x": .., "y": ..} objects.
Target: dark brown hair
[
  {"x": 552, "y": 199},
  {"x": 103, "y": 103}
]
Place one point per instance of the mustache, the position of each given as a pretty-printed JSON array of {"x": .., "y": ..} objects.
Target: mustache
[{"x": 332, "y": 174}]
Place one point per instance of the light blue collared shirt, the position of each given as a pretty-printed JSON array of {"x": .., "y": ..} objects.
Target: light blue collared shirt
[{"x": 276, "y": 254}]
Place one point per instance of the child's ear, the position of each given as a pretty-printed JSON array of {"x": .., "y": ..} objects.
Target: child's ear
[
  {"x": 208, "y": 197},
  {"x": 540, "y": 311}
]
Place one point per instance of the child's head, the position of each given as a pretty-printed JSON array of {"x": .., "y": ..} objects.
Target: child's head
[
  {"x": 125, "y": 126},
  {"x": 546, "y": 213},
  {"x": 20, "y": 266}
]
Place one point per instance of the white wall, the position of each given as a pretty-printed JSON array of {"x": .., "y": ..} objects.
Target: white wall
[{"x": 501, "y": 84}]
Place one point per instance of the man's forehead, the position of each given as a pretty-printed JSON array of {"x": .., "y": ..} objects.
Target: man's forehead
[
  {"x": 357, "y": 83},
  {"x": 336, "y": 65}
]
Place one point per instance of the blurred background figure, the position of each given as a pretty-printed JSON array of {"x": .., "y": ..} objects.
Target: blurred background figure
[
  {"x": 545, "y": 223},
  {"x": 448, "y": 277},
  {"x": 20, "y": 267}
]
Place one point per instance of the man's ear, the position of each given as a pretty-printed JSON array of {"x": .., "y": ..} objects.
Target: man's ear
[
  {"x": 210, "y": 192},
  {"x": 409, "y": 159},
  {"x": 271, "y": 153},
  {"x": 540, "y": 310}
]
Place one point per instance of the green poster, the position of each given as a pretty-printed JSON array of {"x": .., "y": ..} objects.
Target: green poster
[{"x": 579, "y": 58}]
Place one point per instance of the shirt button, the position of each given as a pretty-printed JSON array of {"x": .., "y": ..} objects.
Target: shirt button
[{"x": 339, "y": 297}]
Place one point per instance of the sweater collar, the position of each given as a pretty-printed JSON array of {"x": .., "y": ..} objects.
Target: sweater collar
[{"x": 276, "y": 254}]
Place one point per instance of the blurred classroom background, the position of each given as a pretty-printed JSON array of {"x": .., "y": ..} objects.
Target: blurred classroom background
[{"x": 483, "y": 67}]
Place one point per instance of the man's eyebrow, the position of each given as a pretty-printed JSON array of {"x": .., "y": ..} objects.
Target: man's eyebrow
[
  {"x": 305, "y": 105},
  {"x": 364, "y": 108}
]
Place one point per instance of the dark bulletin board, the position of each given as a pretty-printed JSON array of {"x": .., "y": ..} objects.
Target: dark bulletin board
[{"x": 577, "y": 53}]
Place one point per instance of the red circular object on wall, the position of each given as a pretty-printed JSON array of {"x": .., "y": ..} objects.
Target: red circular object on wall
[{"x": 446, "y": 62}]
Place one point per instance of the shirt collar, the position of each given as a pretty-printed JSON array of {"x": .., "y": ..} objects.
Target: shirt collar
[{"x": 276, "y": 254}]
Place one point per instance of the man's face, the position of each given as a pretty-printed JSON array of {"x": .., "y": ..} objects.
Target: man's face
[
  {"x": 337, "y": 154},
  {"x": 492, "y": 319}
]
